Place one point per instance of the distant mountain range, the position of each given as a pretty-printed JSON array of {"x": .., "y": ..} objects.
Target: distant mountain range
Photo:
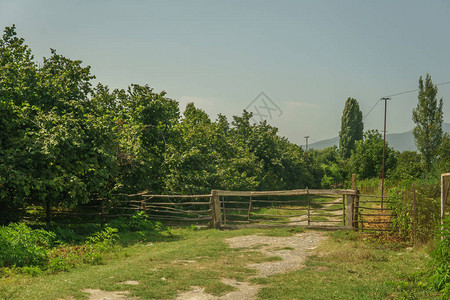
[{"x": 399, "y": 141}]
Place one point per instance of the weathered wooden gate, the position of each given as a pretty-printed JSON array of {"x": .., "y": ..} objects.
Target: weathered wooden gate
[{"x": 311, "y": 208}]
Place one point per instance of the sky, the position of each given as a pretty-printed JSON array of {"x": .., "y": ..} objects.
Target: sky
[{"x": 295, "y": 61}]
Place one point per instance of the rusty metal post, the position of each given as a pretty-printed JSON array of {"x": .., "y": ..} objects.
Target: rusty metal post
[
  {"x": 384, "y": 150},
  {"x": 353, "y": 181}
]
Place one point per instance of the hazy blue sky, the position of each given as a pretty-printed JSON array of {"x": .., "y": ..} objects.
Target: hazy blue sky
[{"x": 307, "y": 56}]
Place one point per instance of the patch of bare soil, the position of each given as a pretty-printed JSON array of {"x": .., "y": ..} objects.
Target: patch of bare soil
[
  {"x": 104, "y": 295},
  {"x": 292, "y": 250}
]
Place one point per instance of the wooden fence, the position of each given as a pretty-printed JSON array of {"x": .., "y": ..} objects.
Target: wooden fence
[{"x": 310, "y": 208}]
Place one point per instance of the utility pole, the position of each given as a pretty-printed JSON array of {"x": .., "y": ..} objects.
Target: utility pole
[
  {"x": 385, "y": 99},
  {"x": 306, "y": 151}
]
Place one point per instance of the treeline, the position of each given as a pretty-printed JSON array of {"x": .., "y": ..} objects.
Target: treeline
[{"x": 63, "y": 141}]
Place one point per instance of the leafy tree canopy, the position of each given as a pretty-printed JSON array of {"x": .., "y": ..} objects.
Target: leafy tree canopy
[
  {"x": 352, "y": 127},
  {"x": 428, "y": 116}
]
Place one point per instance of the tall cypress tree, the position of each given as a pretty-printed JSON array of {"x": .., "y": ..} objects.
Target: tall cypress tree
[
  {"x": 428, "y": 116},
  {"x": 352, "y": 127}
]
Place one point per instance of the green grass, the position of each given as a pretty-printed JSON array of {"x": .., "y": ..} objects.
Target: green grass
[
  {"x": 349, "y": 266},
  {"x": 353, "y": 267},
  {"x": 163, "y": 268}
]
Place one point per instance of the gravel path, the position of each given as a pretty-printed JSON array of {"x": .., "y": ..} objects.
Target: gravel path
[{"x": 293, "y": 251}]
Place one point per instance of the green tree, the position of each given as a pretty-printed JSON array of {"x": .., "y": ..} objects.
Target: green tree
[
  {"x": 352, "y": 127},
  {"x": 428, "y": 116},
  {"x": 366, "y": 159}
]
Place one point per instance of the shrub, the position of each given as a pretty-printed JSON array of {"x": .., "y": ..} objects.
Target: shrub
[
  {"x": 440, "y": 261},
  {"x": 22, "y": 246}
]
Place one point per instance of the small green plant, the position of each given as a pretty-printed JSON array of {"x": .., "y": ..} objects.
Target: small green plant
[
  {"x": 94, "y": 258},
  {"x": 103, "y": 240},
  {"x": 59, "y": 264},
  {"x": 32, "y": 270},
  {"x": 138, "y": 222}
]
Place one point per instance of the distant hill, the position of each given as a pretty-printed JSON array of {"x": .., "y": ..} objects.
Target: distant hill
[{"x": 399, "y": 141}]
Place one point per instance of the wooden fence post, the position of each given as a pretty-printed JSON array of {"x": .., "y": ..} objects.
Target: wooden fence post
[
  {"x": 352, "y": 206},
  {"x": 217, "y": 216}
]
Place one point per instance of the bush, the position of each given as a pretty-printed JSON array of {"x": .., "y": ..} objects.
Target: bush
[
  {"x": 440, "y": 280},
  {"x": 22, "y": 246}
]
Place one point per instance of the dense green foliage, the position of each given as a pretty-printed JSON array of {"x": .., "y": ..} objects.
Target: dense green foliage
[
  {"x": 352, "y": 127},
  {"x": 63, "y": 141},
  {"x": 428, "y": 116}
]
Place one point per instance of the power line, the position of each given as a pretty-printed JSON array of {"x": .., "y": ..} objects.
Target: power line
[
  {"x": 415, "y": 90},
  {"x": 388, "y": 96}
]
